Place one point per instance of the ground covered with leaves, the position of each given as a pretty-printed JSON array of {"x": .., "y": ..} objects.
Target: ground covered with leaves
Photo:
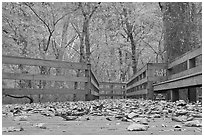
[{"x": 101, "y": 117}]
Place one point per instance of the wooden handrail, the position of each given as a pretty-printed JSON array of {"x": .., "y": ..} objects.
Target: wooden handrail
[
  {"x": 185, "y": 57},
  {"x": 40, "y": 62},
  {"x": 20, "y": 76}
]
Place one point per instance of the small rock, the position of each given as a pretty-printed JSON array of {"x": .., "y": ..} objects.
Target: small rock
[
  {"x": 69, "y": 118},
  {"x": 87, "y": 118},
  {"x": 109, "y": 119},
  {"x": 177, "y": 129},
  {"x": 12, "y": 129},
  {"x": 195, "y": 123},
  {"x": 190, "y": 118},
  {"x": 131, "y": 115},
  {"x": 124, "y": 119},
  {"x": 177, "y": 126},
  {"x": 119, "y": 116},
  {"x": 181, "y": 112},
  {"x": 165, "y": 111},
  {"x": 164, "y": 125},
  {"x": 179, "y": 119},
  {"x": 41, "y": 125},
  {"x": 181, "y": 103},
  {"x": 141, "y": 120},
  {"x": 137, "y": 127},
  {"x": 20, "y": 118},
  {"x": 156, "y": 116},
  {"x": 197, "y": 115}
]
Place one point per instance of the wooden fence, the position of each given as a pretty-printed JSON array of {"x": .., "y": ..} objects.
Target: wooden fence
[
  {"x": 112, "y": 90},
  {"x": 184, "y": 78},
  {"x": 184, "y": 71},
  {"x": 88, "y": 92}
]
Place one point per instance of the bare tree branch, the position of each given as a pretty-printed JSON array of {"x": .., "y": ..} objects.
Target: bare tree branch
[
  {"x": 149, "y": 45},
  {"x": 94, "y": 9},
  {"x": 61, "y": 18},
  {"x": 83, "y": 12},
  {"x": 77, "y": 31},
  {"x": 72, "y": 40},
  {"x": 49, "y": 30},
  {"x": 38, "y": 17}
]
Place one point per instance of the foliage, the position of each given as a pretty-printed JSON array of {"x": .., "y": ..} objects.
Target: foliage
[{"x": 119, "y": 37}]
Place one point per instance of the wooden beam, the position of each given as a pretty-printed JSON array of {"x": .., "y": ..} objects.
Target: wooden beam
[
  {"x": 94, "y": 93},
  {"x": 139, "y": 92},
  {"x": 140, "y": 71},
  {"x": 40, "y": 62},
  {"x": 113, "y": 83},
  {"x": 111, "y": 95},
  {"x": 94, "y": 78},
  {"x": 187, "y": 81},
  {"x": 20, "y": 76},
  {"x": 185, "y": 57},
  {"x": 137, "y": 83},
  {"x": 109, "y": 89},
  {"x": 13, "y": 91},
  {"x": 94, "y": 84},
  {"x": 95, "y": 89},
  {"x": 194, "y": 70}
]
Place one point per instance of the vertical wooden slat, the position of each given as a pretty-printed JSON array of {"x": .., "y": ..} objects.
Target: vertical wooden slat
[{"x": 88, "y": 83}]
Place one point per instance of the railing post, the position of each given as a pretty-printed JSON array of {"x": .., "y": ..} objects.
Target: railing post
[
  {"x": 88, "y": 83},
  {"x": 125, "y": 91}
]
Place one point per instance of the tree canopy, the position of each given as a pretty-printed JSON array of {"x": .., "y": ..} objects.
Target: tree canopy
[{"x": 118, "y": 38}]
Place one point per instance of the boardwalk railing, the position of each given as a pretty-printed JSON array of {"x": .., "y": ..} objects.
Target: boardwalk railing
[
  {"x": 140, "y": 85},
  {"x": 112, "y": 90},
  {"x": 184, "y": 71},
  {"x": 91, "y": 86},
  {"x": 184, "y": 74},
  {"x": 94, "y": 85}
]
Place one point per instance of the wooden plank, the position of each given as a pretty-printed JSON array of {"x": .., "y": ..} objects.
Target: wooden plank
[
  {"x": 139, "y": 92},
  {"x": 138, "y": 73},
  {"x": 94, "y": 78},
  {"x": 20, "y": 76},
  {"x": 93, "y": 88},
  {"x": 40, "y": 62},
  {"x": 13, "y": 91},
  {"x": 88, "y": 83},
  {"x": 187, "y": 81},
  {"x": 94, "y": 93},
  {"x": 113, "y": 83},
  {"x": 108, "y": 89},
  {"x": 186, "y": 72},
  {"x": 184, "y": 57},
  {"x": 138, "y": 83},
  {"x": 94, "y": 84},
  {"x": 111, "y": 95}
]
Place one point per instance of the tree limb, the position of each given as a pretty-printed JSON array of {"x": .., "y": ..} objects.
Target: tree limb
[
  {"x": 148, "y": 45},
  {"x": 49, "y": 30},
  {"x": 38, "y": 17},
  {"x": 94, "y": 9},
  {"x": 72, "y": 40},
  {"x": 77, "y": 31}
]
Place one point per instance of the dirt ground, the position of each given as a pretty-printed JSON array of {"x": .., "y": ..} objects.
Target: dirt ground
[{"x": 96, "y": 125}]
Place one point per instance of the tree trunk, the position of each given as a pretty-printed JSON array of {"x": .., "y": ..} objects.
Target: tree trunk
[
  {"x": 176, "y": 28},
  {"x": 61, "y": 51},
  {"x": 132, "y": 42}
]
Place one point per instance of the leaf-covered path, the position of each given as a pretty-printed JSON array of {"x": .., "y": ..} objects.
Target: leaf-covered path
[{"x": 103, "y": 117}]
